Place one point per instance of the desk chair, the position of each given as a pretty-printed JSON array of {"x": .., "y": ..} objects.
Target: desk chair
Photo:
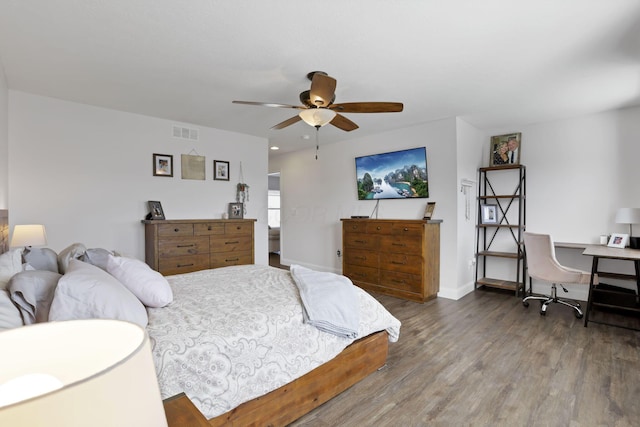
[{"x": 542, "y": 265}]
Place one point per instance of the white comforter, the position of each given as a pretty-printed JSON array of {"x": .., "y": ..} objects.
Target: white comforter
[{"x": 236, "y": 333}]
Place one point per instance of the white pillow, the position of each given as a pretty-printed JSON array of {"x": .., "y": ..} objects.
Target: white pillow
[
  {"x": 87, "y": 292},
  {"x": 151, "y": 288},
  {"x": 73, "y": 251},
  {"x": 9, "y": 314},
  {"x": 10, "y": 264}
]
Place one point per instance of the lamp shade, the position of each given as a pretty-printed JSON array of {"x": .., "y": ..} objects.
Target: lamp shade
[
  {"x": 317, "y": 116},
  {"x": 628, "y": 216},
  {"x": 76, "y": 373},
  {"x": 29, "y": 235}
]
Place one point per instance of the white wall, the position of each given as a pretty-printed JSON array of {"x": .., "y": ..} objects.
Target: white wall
[
  {"x": 86, "y": 173},
  {"x": 315, "y": 194},
  {"x": 4, "y": 140}
]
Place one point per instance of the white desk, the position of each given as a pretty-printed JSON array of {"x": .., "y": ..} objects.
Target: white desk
[{"x": 608, "y": 298}]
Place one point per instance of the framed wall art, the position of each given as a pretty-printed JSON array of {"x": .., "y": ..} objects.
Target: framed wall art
[
  {"x": 155, "y": 210},
  {"x": 162, "y": 165},
  {"x": 220, "y": 170},
  {"x": 489, "y": 214},
  {"x": 505, "y": 149},
  {"x": 192, "y": 166},
  {"x": 236, "y": 211}
]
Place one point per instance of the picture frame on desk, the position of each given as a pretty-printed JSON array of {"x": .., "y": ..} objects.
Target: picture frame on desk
[
  {"x": 618, "y": 240},
  {"x": 489, "y": 214}
]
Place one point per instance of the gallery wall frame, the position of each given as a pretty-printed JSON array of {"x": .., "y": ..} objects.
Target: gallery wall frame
[
  {"x": 221, "y": 170},
  {"x": 162, "y": 165}
]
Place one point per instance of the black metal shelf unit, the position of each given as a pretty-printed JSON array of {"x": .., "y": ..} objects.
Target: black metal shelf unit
[{"x": 506, "y": 231}]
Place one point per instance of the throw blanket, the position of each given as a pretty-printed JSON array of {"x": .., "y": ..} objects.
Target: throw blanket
[{"x": 330, "y": 301}]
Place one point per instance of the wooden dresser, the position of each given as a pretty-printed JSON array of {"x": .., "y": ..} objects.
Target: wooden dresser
[
  {"x": 185, "y": 245},
  {"x": 395, "y": 257}
]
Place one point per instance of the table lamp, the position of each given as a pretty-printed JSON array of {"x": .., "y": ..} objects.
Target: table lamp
[
  {"x": 28, "y": 235},
  {"x": 79, "y": 373},
  {"x": 630, "y": 216}
]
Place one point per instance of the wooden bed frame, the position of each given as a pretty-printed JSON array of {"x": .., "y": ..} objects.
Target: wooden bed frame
[{"x": 291, "y": 401}]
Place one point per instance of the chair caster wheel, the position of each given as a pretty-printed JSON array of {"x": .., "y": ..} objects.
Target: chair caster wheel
[
  {"x": 579, "y": 315},
  {"x": 543, "y": 313},
  {"x": 525, "y": 303}
]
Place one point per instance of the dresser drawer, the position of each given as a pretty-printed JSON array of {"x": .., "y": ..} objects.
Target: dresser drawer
[
  {"x": 183, "y": 264},
  {"x": 400, "y": 229},
  {"x": 411, "y": 244},
  {"x": 167, "y": 230},
  {"x": 358, "y": 273},
  {"x": 361, "y": 257},
  {"x": 238, "y": 243},
  {"x": 401, "y": 262},
  {"x": 355, "y": 226},
  {"x": 361, "y": 240},
  {"x": 208, "y": 229},
  {"x": 238, "y": 228},
  {"x": 401, "y": 281},
  {"x": 379, "y": 227},
  {"x": 223, "y": 259},
  {"x": 179, "y": 246}
]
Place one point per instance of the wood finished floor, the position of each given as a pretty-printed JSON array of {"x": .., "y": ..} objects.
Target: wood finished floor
[{"x": 485, "y": 360}]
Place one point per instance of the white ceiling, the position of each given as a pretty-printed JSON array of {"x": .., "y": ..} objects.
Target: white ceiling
[{"x": 494, "y": 63}]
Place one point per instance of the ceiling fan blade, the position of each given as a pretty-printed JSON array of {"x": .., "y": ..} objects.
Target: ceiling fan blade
[
  {"x": 341, "y": 122},
  {"x": 287, "y": 122},
  {"x": 322, "y": 90},
  {"x": 269, "y": 104},
  {"x": 368, "y": 107}
]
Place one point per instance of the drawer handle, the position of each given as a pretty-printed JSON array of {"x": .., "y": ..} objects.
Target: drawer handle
[
  {"x": 364, "y": 258},
  {"x": 405, "y": 229},
  {"x": 360, "y": 275},
  {"x": 232, "y": 243},
  {"x": 232, "y": 259},
  {"x": 354, "y": 227},
  {"x": 399, "y": 244},
  {"x": 186, "y": 246},
  {"x": 239, "y": 227},
  {"x": 176, "y": 229},
  {"x": 378, "y": 228},
  {"x": 398, "y": 262},
  {"x": 209, "y": 228},
  {"x": 402, "y": 282},
  {"x": 185, "y": 265},
  {"x": 361, "y": 241}
]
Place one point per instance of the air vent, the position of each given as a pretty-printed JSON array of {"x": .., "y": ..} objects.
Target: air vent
[{"x": 185, "y": 133}]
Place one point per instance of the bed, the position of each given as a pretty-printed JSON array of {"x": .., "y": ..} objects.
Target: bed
[{"x": 279, "y": 370}]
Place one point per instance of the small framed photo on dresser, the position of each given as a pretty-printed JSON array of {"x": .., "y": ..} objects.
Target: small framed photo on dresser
[
  {"x": 236, "y": 211},
  {"x": 155, "y": 210}
]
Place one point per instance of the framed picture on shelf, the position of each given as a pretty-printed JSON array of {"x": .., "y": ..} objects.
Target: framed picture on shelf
[
  {"x": 505, "y": 149},
  {"x": 155, "y": 210},
  {"x": 618, "y": 240},
  {"x": 162, "y": 165},
  {"x": 489, "y": 214},
  {"x": 236, "y": 211},
  {"x": 220, "y": 170}
]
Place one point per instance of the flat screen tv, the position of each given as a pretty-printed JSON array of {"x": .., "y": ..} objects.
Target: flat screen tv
[{"x": 394, "y": 175}]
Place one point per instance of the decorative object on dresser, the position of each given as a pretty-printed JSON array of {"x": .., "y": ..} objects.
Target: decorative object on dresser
[
  {"x": 163, "y": 165},
  {"x": 182, "y": 246},
  {"x": 395, "y": 257},
  {"x": 500, "y": 226},
  {"x": 220, "y": 170},
  {"x": 236, "y": 211},
  {"x": 155, "y": 210},
  {"x": 428, "y": 211},
  {"x": 76, "y": 373}
]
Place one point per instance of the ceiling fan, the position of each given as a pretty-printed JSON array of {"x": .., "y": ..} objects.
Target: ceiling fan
[{"x": 318, "y": 108}]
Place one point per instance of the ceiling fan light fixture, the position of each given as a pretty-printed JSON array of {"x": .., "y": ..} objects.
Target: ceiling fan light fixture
[{"x": 317, "y": 116}]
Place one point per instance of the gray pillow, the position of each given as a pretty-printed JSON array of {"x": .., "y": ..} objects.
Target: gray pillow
[
  {"x": 42, "y": 259},
  {"x": 32, "y": 291},
  {"x": 88, "y": 292},
  {"x": 97, "y": 256},
  {"x": 9, "y": 313}
]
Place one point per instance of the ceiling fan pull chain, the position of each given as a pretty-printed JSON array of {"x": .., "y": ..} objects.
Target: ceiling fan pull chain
[{"x": 317, "y": 145}]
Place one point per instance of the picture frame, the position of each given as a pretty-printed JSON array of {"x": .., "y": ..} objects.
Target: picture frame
[
  {"x": 428, "y": 211},
  {"x": 220, "y": 170},
  {"x": 505, "y": 150},
  {"x": 489, "y": 214},
  {"x": 236, "y": 211},
  {"x": 162, "y": 165},
  {"x": 192, "y": 167},
  {"x": 618, "y": 240},
  {"x": 155, "y": 210}
]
